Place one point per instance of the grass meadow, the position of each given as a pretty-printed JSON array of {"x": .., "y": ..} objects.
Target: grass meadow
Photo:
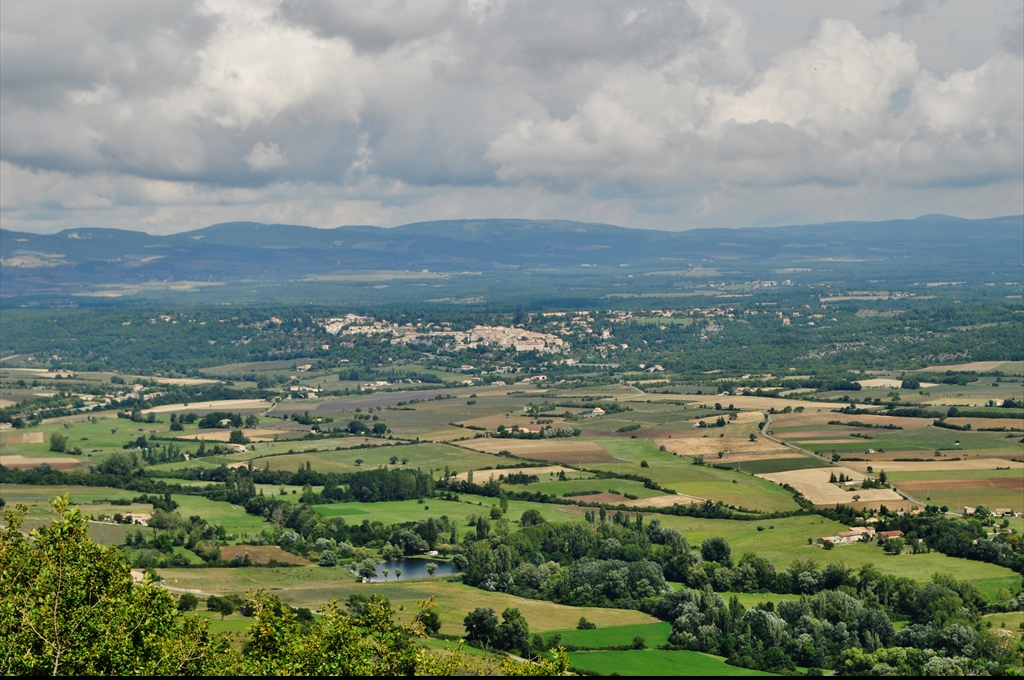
[
  {"x": 654, "y": 635},
  {"x": 656, "y": 662},
  {"x": 681, "y": 475},
  {"x": 312, "y": 586}
]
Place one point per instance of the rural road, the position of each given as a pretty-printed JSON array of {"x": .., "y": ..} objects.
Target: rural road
[{"x": 764, "y": 433}]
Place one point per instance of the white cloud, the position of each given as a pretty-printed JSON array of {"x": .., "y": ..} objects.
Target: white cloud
[
  {"x": 648, "y": 112},
  {"x": 266, "y": 157}
]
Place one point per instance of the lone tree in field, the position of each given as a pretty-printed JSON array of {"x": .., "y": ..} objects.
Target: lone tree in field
[{"x": 58, "y": 442}]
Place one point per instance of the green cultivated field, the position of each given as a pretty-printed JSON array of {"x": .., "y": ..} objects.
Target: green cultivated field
[
  {"x": 602, "y": 485},
  {"x": 312, "y": 586},
  {"x": 760, "y": 467},
  {"x": 918, "y": 439},
  {"x": 394, "y": 512},
  {"x": 679, "y": 474},
  {"x": 422, "y": 456},
  {"x": 654, "y": 634},
  {"x": 656, "y": 662},
  {"x": 964, "y": 493},
  {"x": 788, "y": 542},
  {"x": 232, "y": 517}
]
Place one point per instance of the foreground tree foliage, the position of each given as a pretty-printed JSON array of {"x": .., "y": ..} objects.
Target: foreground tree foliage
[{"x": 69, "y": 607}]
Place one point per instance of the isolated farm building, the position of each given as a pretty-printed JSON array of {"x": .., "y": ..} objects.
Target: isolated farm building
[
  {"x": 237, "y": 448},
  {"x": 886, "y": 535},
  {"x": 968, "y": 510},
  {"x": 1002, "y": 512},
  {"x": 5, "y": 426},
  {"x": 225, "y": 423},
  {"x": 140, "y": 518},
  {"x": 598, "y": 411},
  {"x": 304, "y": 367}
]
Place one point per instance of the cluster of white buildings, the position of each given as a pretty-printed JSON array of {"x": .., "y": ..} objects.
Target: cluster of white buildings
[{"x": 518, "y": 339}]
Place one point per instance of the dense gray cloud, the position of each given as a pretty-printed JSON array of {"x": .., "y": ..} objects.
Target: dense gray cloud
[{"x": 661, "y": 113}]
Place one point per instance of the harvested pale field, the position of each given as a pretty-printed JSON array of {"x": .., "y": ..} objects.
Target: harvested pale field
[
  {"x": 261, "y": 554},
  {"x": 1008, "y": 483},
  {"x": 887, "y": 382},
  {"x": 256, "y": 435},
  {"x": 223, "y": 405},
  {"x": 936, "y": 464},
  {"x": 6, "y": 403},
  {"x": 484, "y": 476},
  {"x": 185, "y": 381},
  {"x": 445, "y": 434},
  {"x": 666, "y": 501},
  {"x": 979, "y": 366},
  {"x": 699, "y": 446},
  {"x": 553, "y": 450},
  {"x": 21, "y": 438},
  {"x": 875, "y": 505},
  {"x": 24, "y": 462},
  {"x": 793, "y": 420},
  {"x": 814, "y": 485}
]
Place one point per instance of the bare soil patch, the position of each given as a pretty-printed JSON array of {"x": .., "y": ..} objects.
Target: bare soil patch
[
  {"x": 261, "y": 554},
  {"x": 938, "y": 464},
  {"x": 1001, "y": 483},
  {"x": 666, "y": 501},
  {"x": 21, "y": 438},
  {"x": 814, "y": 485},
  {"x": 553, "y": 450},
  {"x": 887, "y": 382},
  {"x": 24, "y": 462}
]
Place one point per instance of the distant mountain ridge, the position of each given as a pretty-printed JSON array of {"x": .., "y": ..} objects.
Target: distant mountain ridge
[{"x": 249, "y": 250}]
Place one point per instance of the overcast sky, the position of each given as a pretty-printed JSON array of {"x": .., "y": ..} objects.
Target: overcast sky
[{"x": 173, "y": 115}]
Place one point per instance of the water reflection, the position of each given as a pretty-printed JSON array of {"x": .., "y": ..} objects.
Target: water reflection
[{"x": 411, "y": 568}]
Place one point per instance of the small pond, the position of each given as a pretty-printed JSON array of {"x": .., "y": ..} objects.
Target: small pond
[{"x": 415, "y": 567}]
